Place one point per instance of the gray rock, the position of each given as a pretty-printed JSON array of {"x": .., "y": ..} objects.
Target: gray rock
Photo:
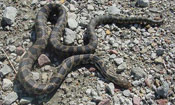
[
  {"x": 34, "y": 2},
  {"x": 138, "y": 73},
  {"x": 118, "y": 61},
  {"x": 72, "y": 23},
  {"x": 90, "y": 7},
  {"x": 9, "y": 15},
  {"x": 110, "y": 88},
  {"x": 88, "y": 92},
  {"x": 72, "y": 15},
  {"x": 136, "y": 83},
  {"x": 122, "y": 67},
  {"x": 72, "y": 8},
  {"x": 163, "y": 90},
  {"x": 7, "y": 84},
  {"x": 115, "y": 45},
  {"x": 25, "y": 100},
  {"x": 112, "y": 56},
  {"x": 69, "y": 36},
  {"x": 10, "y": 98},
  {"x": 4, "y": 70},
  {"x": 94, "y": 93},
  {"x": 35, "y": 75},
  {"x": 159, "y": 60},
  {"x": 113, "y": 10},
  {"x": 159, "y": 52},
  {"x": 143, "y": 3},
  {"x": 12, "y": 48},
  {"x": 153, "y": 55},
  {"x": 126, "y": 93}
]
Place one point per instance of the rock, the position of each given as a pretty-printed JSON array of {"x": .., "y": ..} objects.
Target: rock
[
  {"x": 72, "y": 8},
  {"x": 159, "y": 52},
  {"x": 43, "y": 60},
  {"x": 136, "y": 83},
  {"x": 110, "y": 88},
  {"x": 69, "y": 36},
  {"x": 90, "y": 7},
  {"x": 163, "y": 90},
  {"x": 47, "y": 68},
  {"x": 112, "y": 56},
  {"x": 159, "y": 60},
  {"x": 162, "y": 102},
  {"x": 113, "y": 52},
  {"x": 4, "y": 70},
  {"x": 113, "y": 10},
  {"x": 118, "y": 61},
  {"x": 143, "y": 3},
  {"x": 10, "y": 98},
  {"x": 19, "y": 50},
  {"x": 126, "y": 93},
  {"x": 115, "y": 45},
  {"x": 151, "y": 30},
  {"x": 122, "y": 67},
  {"x": 136, "y": 100},
  {"x": 34, "y": 2},
  {"x": 7, "y": 84},
  {"x": 138, "y": 73},
  {"x": 94, "y": 93},
  {"x": 35, "y": 75},
  {"x": 72, "y": 23},
  {"x": 25, "y": 100},
  {"x": 9, "y": 15},
  {"x": 12, "y": 48},
  {"x": 88, "y": 92},
  {"x": 97, "y": 99},
  {"x": 153, "y": 55},
  {"x": 104, "y": 102},
  {"x": 44, "y": 77}
]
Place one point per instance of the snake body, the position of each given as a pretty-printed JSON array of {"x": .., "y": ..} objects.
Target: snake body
[{"x": 82, "y": 53}]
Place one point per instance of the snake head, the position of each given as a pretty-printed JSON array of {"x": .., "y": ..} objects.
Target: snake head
[{"x": 121, "y": 81}]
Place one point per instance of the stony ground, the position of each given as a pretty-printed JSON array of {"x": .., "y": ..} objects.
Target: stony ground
[{"x": 143, "y": 54}]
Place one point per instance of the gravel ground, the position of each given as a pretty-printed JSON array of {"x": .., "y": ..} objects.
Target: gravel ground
[{"x": 143, "y": 54}]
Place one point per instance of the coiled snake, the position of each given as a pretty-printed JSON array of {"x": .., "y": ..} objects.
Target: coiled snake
[{"x": 27, "y": 62}]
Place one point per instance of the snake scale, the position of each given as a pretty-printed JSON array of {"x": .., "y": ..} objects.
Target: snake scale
[{"x": 80, "y": 53}]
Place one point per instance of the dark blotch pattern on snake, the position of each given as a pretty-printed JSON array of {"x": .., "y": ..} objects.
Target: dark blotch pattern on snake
[{"x": 27, "y": 62}]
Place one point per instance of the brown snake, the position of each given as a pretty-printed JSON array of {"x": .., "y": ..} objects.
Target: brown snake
[{"x": 27, "y": 62}]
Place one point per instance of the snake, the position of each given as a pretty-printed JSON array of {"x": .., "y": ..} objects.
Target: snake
[{"x": 79, "y": 55}]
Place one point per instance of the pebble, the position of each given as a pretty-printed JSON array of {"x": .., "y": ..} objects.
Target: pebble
[
  {"x": 72, "y": 8},
  {"x": 19, "y": 50},
  {"x": 44, "y": 77},
  {"x": 4, "y": 70},
  {"x": 138, "y": 73},
  {"x": 136, "y": 83},
  {"x": 88, "y": 92},
  {"x": 34, "y": 2},
  {"x": 9, "y": 15},
  {"x": 110, "y": 88},
  {"x": 12, "y": 48},
  {"x": 69, "y": 36},
  {"x": 122, "y": 67},
  {"x": 72, "y": 23},
  {"x": 35, "y": 75},
  {"x": 112, "y": 56},
  {"x": 113, "y": 10},
  {"x": 162, "y": 101},
  {"x": 159, "y": 60},
  {"x": 43, "y": 60},
  {"x": 10, "y": 98},
  {"x": 118, "y": 61},
  {"x": 153, "y": 55},
  {"x": 7, "y": 84},
  {"x": 136, "y": 100},
  {"x": 159, "y": 52},
  {"x": 143, "y": 3},
  {"x": 90, "y": 7},
  {"x": 126, "y": 93},
  {"x": 163, "y": 90},
  {"x": 105, "y": 102},
  {"x": 25, "y": 100}
]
